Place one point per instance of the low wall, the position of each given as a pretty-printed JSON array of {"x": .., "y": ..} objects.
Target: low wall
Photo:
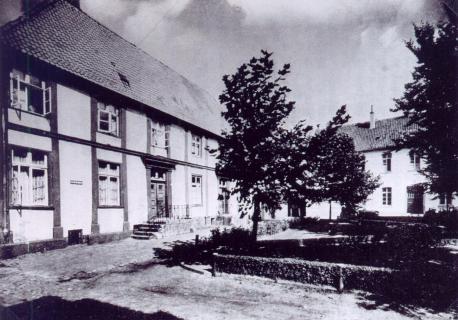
[
  {"x": 12, "y": 250},
  {"x": 312, "y": 272},
  {"x": 106, "y": 237}
]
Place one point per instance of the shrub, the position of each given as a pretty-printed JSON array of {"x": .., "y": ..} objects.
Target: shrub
[
  {"x": 367, "y": 215},
  {"x": 302, "y": 223},
  {"x": 410, "y": 244},
  {"x": 448, "y": 219},
  {"x": 234, "y": 238}
]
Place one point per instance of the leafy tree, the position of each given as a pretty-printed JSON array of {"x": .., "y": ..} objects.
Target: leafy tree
[
  {"x": 430, "y": 102},
  {"x": 326, "y": 166},
  {"x": 256, "y": 106},
  {"x": 299, "y": 187}
]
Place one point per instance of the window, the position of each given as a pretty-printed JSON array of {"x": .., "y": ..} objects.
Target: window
[
  {"x": 108, "y": 119},
  {"x": 414, "y": 160},
  {"x": 442, "y": 198},
  {"x": 223, "y": 196},
  {"x": 109, "y": 194},
  {"x": 387, "y": 161},
  {"x": 159, "y": 136},
  {"x": 30, "y": 94},
  {"x": 196, "y": 145},
  {"x": 29, "y": 185},
  {"x": 196, "y": 190},
  {"x": 386, "y": 196}
]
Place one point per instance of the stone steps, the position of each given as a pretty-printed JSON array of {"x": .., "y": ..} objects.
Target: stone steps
[{"x": 146, "y": 231}]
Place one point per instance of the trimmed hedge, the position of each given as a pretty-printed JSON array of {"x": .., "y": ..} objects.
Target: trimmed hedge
[
  {"x": 428, "y": 284},
  {"x": 320, "y": 273},
  {"x": 267, "y": 227}
]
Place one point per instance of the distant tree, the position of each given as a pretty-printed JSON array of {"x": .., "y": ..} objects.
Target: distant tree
[
  {"x": 430, "y": 102},
  {"x": 326, "y": 167},
  {"x": 256, "y": 105},
  {"x": 299, "y": 187}
]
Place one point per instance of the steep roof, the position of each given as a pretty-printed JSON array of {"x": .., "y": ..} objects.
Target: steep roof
[
  {"x": 64, "y": 36},
  {"x": 379, "y": 138}
]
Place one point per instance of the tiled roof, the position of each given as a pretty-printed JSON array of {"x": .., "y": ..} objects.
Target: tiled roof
[
  {"x": 379, "y": 138},
  {"x": 64, "y": 36}
]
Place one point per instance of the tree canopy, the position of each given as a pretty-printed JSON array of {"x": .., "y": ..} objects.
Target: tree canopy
[
  {"x": 256, "y": 105},
  {"x": 430, "y": 102},
  {"x": 326, "y": 167}
]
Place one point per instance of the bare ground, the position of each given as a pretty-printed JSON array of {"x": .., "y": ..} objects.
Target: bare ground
[{"x": 127, "y": 274}]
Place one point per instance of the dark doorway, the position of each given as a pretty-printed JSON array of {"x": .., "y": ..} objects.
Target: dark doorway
[
  {"x": 296, "y": 210},
  {"x": 415, "y": 199}
]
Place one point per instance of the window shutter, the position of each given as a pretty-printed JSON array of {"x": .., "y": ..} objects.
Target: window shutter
[
  {"x": 14, "y": 98},
  {"x": 47, "y": 101},
  {"x": 167, "y": 139}
]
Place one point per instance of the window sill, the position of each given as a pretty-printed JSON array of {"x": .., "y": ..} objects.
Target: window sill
[
  {"x": 46, "y": 116},
  {"x": 109, "y": 134},
  {"x": 32, "y": 207},
  {"x": 110, "y": 207}
]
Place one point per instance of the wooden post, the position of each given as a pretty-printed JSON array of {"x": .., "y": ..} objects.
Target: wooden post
[{"x": 330, "y": 210}]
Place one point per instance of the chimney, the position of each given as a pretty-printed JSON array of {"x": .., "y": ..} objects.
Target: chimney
[{"x": 372, "y": 119}]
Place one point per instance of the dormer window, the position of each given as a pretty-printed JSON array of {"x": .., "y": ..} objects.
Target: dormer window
[
  {"x": 108, "y": 119},
  {"x": 28, "y": 93},
  {"x": 124, "y": 80}
]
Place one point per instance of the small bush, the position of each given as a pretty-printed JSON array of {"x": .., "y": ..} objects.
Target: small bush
[
  {"x": 448, "y": 219},
  {"x": 302, "y": 223},
  {"x": 410, "y": 244},
  {"x": 367, "y": 215},
  {"x": 234, "y": 238}
]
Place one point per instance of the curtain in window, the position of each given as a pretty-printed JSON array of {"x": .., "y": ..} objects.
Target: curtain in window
[
  {"x": 38, "y": 186},
  {"x": 103, "y": 188}
]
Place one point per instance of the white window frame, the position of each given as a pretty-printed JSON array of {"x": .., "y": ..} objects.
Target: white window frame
[
  {"x": 160, "y": 135},
  {"x": 24, "y": 190},
  {"x": 196, "y": 190},
  {"x": 196, "y": 145},
  {"x": 387, "y": 161},
  {"x": 387, "y": 196},
  {"x": 113, "y": 118},
  {"x": 109, "y": 174},
  {"x": 19, "y": 99}
]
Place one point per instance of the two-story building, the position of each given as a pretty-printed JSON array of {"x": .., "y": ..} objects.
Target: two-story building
[
  {"x": 401, "y": 191},
  {"x": 96, "y": 134}
]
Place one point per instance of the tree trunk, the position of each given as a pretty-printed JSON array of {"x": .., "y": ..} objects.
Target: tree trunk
[
  {"x": 330, "y": 211},
  {"x": 256, "y": 217}
]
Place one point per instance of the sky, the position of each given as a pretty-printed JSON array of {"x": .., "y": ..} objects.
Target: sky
[{"x": 341, "y": 51}]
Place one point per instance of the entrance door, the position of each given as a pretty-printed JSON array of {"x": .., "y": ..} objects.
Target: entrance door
[
  {"x": 158, "y": 200},
  {"x": 415, "y": 199},
  {"x": 158, "y": 191}
]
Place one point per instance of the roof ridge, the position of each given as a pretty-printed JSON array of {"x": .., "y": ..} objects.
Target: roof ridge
[{"x": 364, "y": 122}]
